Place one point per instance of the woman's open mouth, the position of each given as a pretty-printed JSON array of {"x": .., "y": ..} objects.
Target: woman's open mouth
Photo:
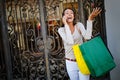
[{"x": 68, "y": 18}]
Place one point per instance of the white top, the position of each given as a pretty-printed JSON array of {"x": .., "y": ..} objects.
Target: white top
[{"x": 70, "y": 39}]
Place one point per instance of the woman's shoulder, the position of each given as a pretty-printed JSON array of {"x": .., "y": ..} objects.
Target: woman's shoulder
[
  {"x": 61, "y": 29},
  {"x": 79, "y": 23}
]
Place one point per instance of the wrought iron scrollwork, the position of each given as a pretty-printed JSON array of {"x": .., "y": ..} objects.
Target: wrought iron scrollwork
[
  {"x": 27, "y": 44},
  {"x": 26, "y": 39},
  {"x": 88, "y": 6}
]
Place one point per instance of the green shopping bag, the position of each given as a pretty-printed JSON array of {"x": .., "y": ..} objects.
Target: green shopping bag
[
  {"x": 80, "y": 60},
  {"x": 97, "y": 57}
]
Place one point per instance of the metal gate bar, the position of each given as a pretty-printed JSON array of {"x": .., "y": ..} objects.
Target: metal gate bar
[{"x": 4, "y": 40}]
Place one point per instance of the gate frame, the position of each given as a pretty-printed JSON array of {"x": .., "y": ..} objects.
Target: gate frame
[{"x": 5, "y": 41}]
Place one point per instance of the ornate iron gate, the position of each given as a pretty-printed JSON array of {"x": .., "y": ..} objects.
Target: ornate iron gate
[{"x": 34, "y": 48}]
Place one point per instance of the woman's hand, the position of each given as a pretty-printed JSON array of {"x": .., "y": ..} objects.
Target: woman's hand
[
  {"x": 95, "y": 12},
  {"x": 64, "y": 20}
]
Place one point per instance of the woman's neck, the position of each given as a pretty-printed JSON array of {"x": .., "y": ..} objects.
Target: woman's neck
[{"x": 71, "y": 27}]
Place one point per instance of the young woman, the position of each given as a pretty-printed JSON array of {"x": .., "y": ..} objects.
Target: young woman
[{"x": 71, "y": 34}]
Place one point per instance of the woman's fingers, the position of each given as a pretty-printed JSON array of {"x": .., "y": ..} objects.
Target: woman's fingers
[
  {"x": 96, "y": 11},
  {"x": 64, "y": 19}
]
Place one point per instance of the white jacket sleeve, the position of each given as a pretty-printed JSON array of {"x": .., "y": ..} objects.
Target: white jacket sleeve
[
  {"x": 87, "y": 33},
  {"x": 66, "y": 35}
]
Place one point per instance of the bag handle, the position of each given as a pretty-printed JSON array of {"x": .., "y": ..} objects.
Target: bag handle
[{"x": 84, "y": 40}]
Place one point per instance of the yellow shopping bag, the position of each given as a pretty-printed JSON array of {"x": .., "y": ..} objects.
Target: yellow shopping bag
[{"x": 80, "y": 60}]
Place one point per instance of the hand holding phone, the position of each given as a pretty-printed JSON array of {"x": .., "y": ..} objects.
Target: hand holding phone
[{"x": 64, "y": 20}]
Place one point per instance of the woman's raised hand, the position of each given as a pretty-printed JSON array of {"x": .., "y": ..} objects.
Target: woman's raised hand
[{"x": 95, "y": 12}]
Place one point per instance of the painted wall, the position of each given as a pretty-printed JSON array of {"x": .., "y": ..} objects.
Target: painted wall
[{"x": 113, "y": 33}]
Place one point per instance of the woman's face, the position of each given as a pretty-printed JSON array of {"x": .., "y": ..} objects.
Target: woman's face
[{"x": 69, "y": 14}]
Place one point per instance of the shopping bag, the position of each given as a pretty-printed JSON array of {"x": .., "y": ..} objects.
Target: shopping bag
[
  {"x": 97, "y": 57},
  {"x": 80, "y": 60}
]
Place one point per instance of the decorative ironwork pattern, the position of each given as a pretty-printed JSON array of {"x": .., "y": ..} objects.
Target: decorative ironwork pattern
[
  {"x": 30, "y": 41},
  {"x": 88, "y": 5},
  {"x": 27, "y": 43},
  {"x": 27, "y": 47}
]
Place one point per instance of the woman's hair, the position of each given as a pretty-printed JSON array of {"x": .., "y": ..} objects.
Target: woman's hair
[{"x": 74, "y": 12}]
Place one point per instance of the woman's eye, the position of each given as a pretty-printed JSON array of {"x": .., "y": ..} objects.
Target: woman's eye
[
  {"x": 71, "y": 13},
  {"x": 67, "y": 13}
]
